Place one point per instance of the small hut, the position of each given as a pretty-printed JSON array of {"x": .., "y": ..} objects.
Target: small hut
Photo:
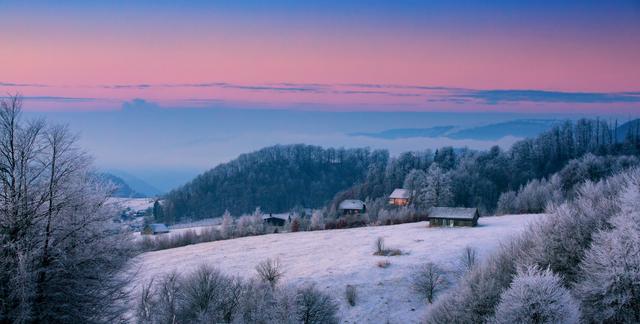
[
  {"x": 154, "y": 229},
  {"x": 453, "y": 216},
  {"x": 276, "y": 219},
  {"x": 352, "y": 206},
  {"x": 399, "y": 197}
]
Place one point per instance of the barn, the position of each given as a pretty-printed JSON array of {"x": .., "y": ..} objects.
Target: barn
[
  {"x": 276, "y": 219},
  {"x": 155, "y": 229},
  {"x": 352, "y": 206},
  {"x": 453, "y": 216},
  {"x": 399, "y": 197}
]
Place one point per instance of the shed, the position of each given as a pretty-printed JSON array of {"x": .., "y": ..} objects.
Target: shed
[
  {"x": 453, "y": 216},
  {"x": 399, "y": 197},
  {"x": 155, "y": 229},
  {"x": 276, "y": 219},
  {"x": 352, "y": 206}
]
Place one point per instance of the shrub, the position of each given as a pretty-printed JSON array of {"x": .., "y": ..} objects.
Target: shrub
[
  {"x": 270, "y": 271},
  {"x": 382, "y": 250},
  {"x": 313, "y": 306},
  {"x": 428, "y": 280},
  {"x": 384, "y": 264},
  {"x": 295, "y": 225},
  {"x": 468, "y": 259},
  {"x": 536, "y": 296},
  {"x": 351, "y": 294}
]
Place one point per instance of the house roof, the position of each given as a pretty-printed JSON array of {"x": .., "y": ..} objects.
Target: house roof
[
  {"x": 351, "y": 204},
  {"x": 283, "y": 216},
  {"x": 400, "y": 194},
  {"x": 156, "y": 228},
  {"x": 452, "y": 212}
]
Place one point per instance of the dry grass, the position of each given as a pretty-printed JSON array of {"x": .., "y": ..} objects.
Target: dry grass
[{"x": 383, "y": 264}]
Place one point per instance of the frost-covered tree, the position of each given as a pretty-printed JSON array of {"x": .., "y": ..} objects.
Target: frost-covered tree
[
  {"x": 609, "y": 280},
  {"x": 536, "y": 296},
  {"x": 317, "y": 220},
  {"x": 438, "y": 190},
  {"x": 60, "y": 257},
  {"x": 226, "y": 228}
]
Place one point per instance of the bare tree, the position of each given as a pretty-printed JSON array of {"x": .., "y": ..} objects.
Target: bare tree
[
  {"x": 428, "y": 280},
  {"x": 270, "y": 271},
  {"x": 58, "y": 254}
]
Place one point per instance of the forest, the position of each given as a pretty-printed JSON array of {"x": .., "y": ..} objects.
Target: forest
[{"x": 281, "y": 178}]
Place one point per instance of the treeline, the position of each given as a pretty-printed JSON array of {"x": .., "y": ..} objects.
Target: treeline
[
  {"x": 470, "y": 178},
  {"x": 281, "y": 178},
  {"x": 275, "y": 178}
]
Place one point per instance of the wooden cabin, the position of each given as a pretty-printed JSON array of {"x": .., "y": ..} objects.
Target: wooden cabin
[
  {"x": 399, "y": 197},
  {"x": 154, "y": 229},
  {"x": 276, "y": 219},
  {"x": 352, "y": 207},
  {"x": 453, "y": 216}
]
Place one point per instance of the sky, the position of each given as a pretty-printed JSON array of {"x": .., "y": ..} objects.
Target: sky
[
  {"x": 172, "y": 88},
  {"x": 325, "y": 55}
]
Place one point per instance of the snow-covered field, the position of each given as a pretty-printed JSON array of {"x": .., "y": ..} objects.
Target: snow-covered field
[
  {"x": 134, "y": 204},
  {"x": 335, "y": 258}
]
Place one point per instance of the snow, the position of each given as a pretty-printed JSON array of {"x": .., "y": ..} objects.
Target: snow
[
  {"x": 134, "y": 204},
  {"x": 400, "y": 194},
  {"x": 351, "y": 204},
  {"x": 334, "y": 258}
]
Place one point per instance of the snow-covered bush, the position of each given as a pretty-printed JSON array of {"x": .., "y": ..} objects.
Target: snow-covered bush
[
  {"x": 609, "y": 279},
  {"x": 468, "y": 258},
  {"x": 317, "y": 220},
  {"x": 226, "y": 228},
  {"x": 314, "y": 306},
  {"x": 558, "y": 242},
  {"x": 536, "y": 296}
]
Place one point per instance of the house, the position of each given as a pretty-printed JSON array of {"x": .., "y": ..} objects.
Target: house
[
  {"x": 352, "y": 206},
  {"x": 399, "y": 197},
  {"x": 155, "y": 229},
  {"x": 453, "y": 216},
  {"x": 276, "y": 219}
]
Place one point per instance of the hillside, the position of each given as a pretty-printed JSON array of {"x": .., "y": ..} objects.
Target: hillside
[
  {"x": 275, "y": 178},
  {"x": 123, "y": 190},
  {"x": 335, "y": 258}
]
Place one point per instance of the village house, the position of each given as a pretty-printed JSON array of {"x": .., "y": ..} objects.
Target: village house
[
  {"x": 352, "y": 207},
  {"x": 276, "y": 219},
  {"x": 400, "y": 197},
  {"x": 453, "y": 216},
  {"x": 155, "y": 229}
]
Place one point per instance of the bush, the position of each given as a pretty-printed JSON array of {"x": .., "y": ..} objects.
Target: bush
[
  {"x": 313, "y": 306},
  {"x": 468, "y": 259},
  {"x": 208, "y": 296},
  {"x": 536, "y": 296},
  {"x": 270, "y": 271},
  {"x": 384, "y": 264},
  {"x": 382, "y": 250},
  {"x": 295, "y": 225},
  {"x": 351, "y": 294}
]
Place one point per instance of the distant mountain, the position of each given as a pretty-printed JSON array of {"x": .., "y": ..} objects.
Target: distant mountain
[
  {"x": 524, "y": 128},
  {"x": 631, "y": 127},
  {"x": 123, "y": 189},
  {"x": 137, "y": 184},
  {"x": 437, "y": 131}
]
